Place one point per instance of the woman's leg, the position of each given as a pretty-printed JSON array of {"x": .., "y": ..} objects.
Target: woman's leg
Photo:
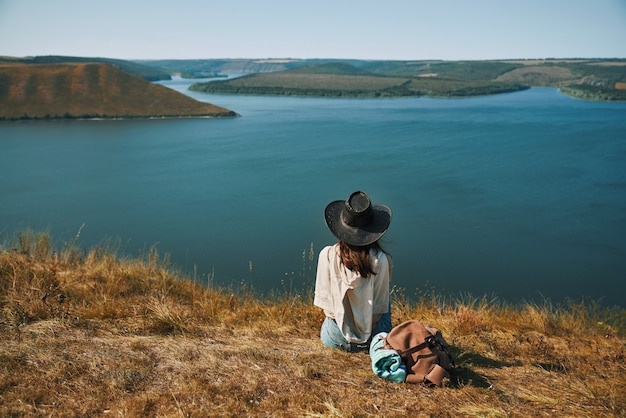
[
  {"x": 384, "y": 322},
  {"x": 331, "y": 335}
]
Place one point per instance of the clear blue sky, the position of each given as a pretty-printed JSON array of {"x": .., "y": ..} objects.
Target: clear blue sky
[{"x": 363, "y": 29}]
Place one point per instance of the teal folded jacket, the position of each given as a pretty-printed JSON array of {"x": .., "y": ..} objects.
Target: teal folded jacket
[{"x": 386, "y": 363}]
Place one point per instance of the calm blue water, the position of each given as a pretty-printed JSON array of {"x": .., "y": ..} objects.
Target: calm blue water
[{"x": 520, "y": 195}]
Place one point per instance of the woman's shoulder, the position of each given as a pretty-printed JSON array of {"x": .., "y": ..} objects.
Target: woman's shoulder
[
  {"x": 379, "y": 254},
  {"x": 380, "y": 259},
  {"x": 328, "y": 250}
]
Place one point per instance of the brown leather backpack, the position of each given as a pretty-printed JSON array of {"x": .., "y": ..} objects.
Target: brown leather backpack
[{"x": 423, "y": 350}]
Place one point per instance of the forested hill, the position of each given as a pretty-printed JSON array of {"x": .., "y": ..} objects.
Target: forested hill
[
  {"x": 333, "y": 80},
  {"x": 592, "y": 79},
  {"x": 90, "y": 90}
]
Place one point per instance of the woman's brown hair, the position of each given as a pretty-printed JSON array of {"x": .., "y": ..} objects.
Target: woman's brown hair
[{"x": 358, "y": 258}]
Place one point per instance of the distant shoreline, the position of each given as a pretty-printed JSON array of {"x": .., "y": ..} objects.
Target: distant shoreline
[
  {"x": 100, "y": 118},
  {"x": 595, "y": 80}
]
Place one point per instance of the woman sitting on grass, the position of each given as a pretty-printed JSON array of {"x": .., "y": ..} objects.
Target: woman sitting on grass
[{"x": 352, "y": 283}]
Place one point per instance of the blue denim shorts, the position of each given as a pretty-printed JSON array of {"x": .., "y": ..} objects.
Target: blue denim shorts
[{"x": 331, "y": 335}]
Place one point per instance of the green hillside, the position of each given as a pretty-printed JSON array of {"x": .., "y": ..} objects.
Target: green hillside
[
  {"x": 591, "y": 79},
  {"x": 196, "y": 67},
  {"x": 345, "y": 80}
]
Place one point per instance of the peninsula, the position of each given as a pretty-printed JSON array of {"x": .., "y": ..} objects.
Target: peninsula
[
  {"x": 589, "y": 79},
  {"x": 90, "y": 90}
]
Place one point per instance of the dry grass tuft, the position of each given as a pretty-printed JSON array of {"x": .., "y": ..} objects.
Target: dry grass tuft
[{"x": 91, "y": 334}]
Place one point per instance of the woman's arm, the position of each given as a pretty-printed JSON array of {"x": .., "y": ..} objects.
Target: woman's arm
[
  {"x": 381, "y": 285},
  {"x": 323, "y": 297}
]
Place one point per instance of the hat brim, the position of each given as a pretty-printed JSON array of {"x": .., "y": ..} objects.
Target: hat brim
[{"x": 358, "y": 236}]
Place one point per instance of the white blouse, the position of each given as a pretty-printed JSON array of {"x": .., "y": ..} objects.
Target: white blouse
[{"x": 353, "y": 301}]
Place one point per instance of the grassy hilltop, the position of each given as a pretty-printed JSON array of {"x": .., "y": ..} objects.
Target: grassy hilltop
[
  {"x": 149, "y": 73},
  {"x": 93, "y": 334},
  {"x": 90, "y": 90}
]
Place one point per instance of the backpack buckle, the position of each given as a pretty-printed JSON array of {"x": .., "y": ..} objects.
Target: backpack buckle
[{"x": 430, "y": 340}]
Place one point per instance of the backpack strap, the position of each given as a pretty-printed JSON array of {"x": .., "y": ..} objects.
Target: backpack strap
[{"x": 428, "y": 342}]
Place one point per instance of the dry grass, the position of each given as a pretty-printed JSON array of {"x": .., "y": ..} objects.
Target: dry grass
[
  {"x": 538, "y": 75},
  {"x": 97, "y": 335}
]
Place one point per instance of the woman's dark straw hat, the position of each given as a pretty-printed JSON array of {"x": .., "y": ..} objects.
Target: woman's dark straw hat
[{"x": 356, "y": 221}]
